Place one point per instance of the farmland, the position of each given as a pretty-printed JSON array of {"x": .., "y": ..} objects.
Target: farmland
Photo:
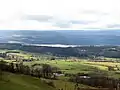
[
  {"x": 80, "y": 67},
  {"x": 69, "y": 67}
]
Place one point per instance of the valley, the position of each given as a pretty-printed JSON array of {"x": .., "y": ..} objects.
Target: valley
[{"x": 71, "y": 73}]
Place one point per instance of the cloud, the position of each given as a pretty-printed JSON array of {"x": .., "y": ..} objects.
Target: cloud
[
  {"x": 59, "y": 14},
  {"x": 48, "y": 19},
  {"x": 62, "y": 25},
  {"x": 114, "y": 26},
  {"x": 40, "y": 18},
  {"x": 81, "y": 22},
  {"x": 56, "y": 21},
  {"x": 95, "y": 12}
]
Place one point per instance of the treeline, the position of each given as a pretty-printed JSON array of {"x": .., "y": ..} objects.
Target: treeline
[
  {"x": 81, "y": 52},
  {"x": 98, "y": 81},
  {"x": 36, "y": 70}
]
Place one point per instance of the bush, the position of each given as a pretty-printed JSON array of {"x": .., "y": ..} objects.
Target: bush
[{"x": 59, "y": 72}]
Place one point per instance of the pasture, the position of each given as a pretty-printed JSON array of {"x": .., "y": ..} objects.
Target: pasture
[
  {"x": 22, "y": 82},
  {"x": 80, "y": 66}
]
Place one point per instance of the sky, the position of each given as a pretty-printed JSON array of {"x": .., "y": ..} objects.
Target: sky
[{"x": 59, "y": 14}]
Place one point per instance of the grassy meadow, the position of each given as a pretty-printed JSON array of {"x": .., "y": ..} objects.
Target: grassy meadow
[{"x": 22, "y": 82}]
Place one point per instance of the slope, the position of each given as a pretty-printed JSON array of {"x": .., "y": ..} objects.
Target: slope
[{"x": 22, "y": 82}]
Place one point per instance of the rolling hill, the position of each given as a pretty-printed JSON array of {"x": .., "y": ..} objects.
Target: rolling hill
[{"x": 71, "y": 37}]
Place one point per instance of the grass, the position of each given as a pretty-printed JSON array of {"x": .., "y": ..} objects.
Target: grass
[
  {"x": 65, "y": 85},
  {"x": 22, "y": 82},
  {"x": 81, "y": 67},
  {"x": 67, "y": 67},
  {"x": 104, "y": 63},
  {"x": 103, "y": 66},
  {"x": 99, "y": 66},
  {"x": 68, "y": 85}
]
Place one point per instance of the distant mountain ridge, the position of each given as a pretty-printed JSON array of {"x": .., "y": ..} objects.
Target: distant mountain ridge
[{"x": 64, "y": 37}]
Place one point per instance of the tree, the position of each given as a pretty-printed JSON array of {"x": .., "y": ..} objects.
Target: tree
[
  {"x": 25, "y": 70},
  {"x": 21, "y": 67},
  {"x": 0, "y": 70},
  {"x": 110, "y": 68},
  {"x": 3, "y": 67},
  {"x": 17, "y": 68},
  {"x": 12, "y": 68},
  {"x": 47, "y": 71},
  {"x": 55, "y": 69},
  {"x": 38, "y": 72}
]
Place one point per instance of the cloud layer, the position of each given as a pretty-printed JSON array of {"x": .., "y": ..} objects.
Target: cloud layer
[{"x": 59, "y": 14}]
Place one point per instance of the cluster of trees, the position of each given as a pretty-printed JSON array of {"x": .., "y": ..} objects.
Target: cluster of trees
[
  {"x": 8, "y": 56},
  {"x": 3, "y": 55},
  {"x": 97, "y": 81},
  {"x": 41, "y": 70}
]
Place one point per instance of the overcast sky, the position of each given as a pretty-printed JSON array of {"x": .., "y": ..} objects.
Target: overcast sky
[{"x": 59, "y": 14}]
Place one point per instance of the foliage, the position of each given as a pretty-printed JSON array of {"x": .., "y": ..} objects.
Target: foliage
[{"x": 81, "y": 52}]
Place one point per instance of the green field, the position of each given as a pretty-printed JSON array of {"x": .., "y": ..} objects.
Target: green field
[
  {"x": 80, "y": 67},
  {"x": 67, "y": 67},
  {"x": 22, "y": 82}
]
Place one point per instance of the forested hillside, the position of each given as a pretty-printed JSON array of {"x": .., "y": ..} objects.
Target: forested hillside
[{"x": 81, "y": 51}]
